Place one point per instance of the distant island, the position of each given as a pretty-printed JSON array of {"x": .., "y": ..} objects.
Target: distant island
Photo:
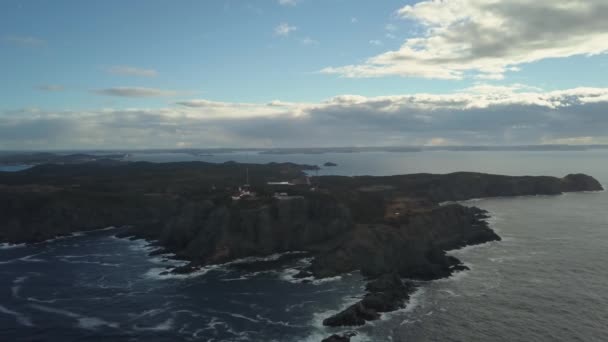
[
  {"x": 388, "y": 228},
  {"x": 80, "y": 156},
  {"x": 37, "y": 158}
]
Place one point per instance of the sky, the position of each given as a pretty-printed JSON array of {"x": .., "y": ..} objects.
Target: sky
[{"x": 118, "y": 74}]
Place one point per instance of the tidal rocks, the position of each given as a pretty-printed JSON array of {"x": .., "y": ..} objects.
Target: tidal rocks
[
  {"x": 330, "y": 164},
  {"x": 339, "y": 338},
  {"x": 386, "y": 293}
]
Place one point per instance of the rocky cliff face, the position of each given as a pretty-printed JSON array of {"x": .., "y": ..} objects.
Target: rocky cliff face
[
  {"x": 207, "y": 233},
  {"x": 414, "y": 248}
]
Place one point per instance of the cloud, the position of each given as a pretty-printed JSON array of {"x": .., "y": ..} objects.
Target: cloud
[
  {"x": 375, "y": 42},
  {"x": 26, "y": 41},
  {"x": 284, "y": 29},
  {"x": 131, "y": 71},
  {"x": 288, "y": 2},
  {"x": 486, "y": 38},
  {"x": 135, "y": 92},
  {"x": 390, "y": 27},
  {"x": 480, "y": 115},
  {"x": 50, "y": 87},
  {"x": 309, "y": 41}
]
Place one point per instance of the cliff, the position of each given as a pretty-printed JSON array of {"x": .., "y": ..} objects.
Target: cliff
[{"x": 385, "y": 227}]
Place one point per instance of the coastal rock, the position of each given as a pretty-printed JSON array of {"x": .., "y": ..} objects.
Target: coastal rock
[
  {"x": 414, "y": 248},
  {"x": 338, "y": 338},
  {"x": 330, "y": 164},
  {"x": 386, "y": 293},
  {"x": 580, "y": 182}
]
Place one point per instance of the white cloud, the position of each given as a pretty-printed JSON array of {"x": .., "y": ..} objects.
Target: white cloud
[
  {"x": 480, "y": 115},
  {"x": 288, "y": 2},
  {"x": 309, "y": 41},
  {"x": 488, "y": 37},
  {"x": 135, "y": 92},
  {"x": 131, "y": 71},
  {"x": 375, "y": 42},
  {"x": 284, "y": 29}
]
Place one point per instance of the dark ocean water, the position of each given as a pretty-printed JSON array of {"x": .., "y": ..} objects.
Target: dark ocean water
[{"x": 546, "y": 281}]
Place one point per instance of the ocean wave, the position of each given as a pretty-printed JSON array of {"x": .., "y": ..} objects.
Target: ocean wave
[
  {"x": 88, "y": 262},
  {"x": 27, "y": 258},
  {"x": 84, "y": 322},
  {"x": 298, "y": 306},
  {"x": 16, "y": 288},
  {"x": 415, "y": 301},
  {"x": 163, "y": 326},
  {"x": 140, "y": 245},
  {"x": 62, "y": 237},
  {"x": 272, "y": 257},
  {"x": 95, "y": 255},
  {"x": 163, "y": 273},
  {"x": 147, "y": 313},
  {"x": 21, "y": 318},
  {"x": 7, "y": 245}
]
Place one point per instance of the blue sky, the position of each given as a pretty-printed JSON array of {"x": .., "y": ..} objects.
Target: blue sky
[{"x": 61, "y": 59}]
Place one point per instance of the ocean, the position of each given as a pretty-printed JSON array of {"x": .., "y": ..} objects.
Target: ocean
[{"x": 546, "y": 281}]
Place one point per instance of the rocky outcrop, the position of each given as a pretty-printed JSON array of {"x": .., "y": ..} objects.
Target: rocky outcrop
[
  {"x": 580, "y": 182},
  {"x": 384, "y": 294},
  {"x": 415, "y": 248},
  {"x": 340, "y": 338}
]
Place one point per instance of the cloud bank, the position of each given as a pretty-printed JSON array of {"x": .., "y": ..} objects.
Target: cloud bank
[
  {"x": 481, "y": 115},
  {"x": 487, "y": 38}
]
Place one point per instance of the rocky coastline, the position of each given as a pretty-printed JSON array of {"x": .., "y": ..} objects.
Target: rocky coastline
[{"x": 387, "y": 228}]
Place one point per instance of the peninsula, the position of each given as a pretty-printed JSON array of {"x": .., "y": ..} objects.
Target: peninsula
[{"x": 388, "y": 228}]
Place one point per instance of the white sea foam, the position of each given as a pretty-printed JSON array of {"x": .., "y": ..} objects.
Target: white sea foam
[
  {"x": 89, "y": 262},
  {"x": 27, "y": 258},
  {"x": 414, "y": 302},
  {"x": 30, "y": 258},
  {"x": 16, "y": 288},
  {"x": 11, "y": 246},
  {"x": 163, "y": 326},
  {"x": 272, "y": 257},
  {"x": 84, "y": 322},
  {"x": 141, "y": 245},
  {"x": 298, "y": 306},
  {"x": 92, "y": 323},
  {"x": 88, "y": 256},
  {"x": 156, "y": 272},
  {"x": 21, "y": 318},
  {"x": 101, "y": 229},
  {"x": 63, "y": 237}
]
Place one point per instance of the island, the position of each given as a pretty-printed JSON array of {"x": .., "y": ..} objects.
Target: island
[{"x": 387, "y": 228}]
